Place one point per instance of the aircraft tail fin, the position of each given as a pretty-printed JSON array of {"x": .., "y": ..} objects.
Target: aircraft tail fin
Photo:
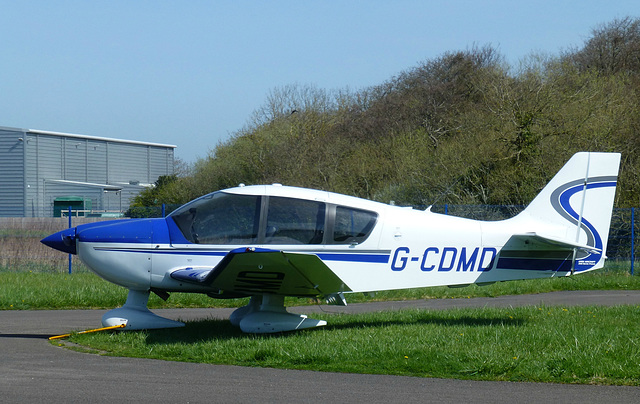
[{"x": 576, "y": 206}]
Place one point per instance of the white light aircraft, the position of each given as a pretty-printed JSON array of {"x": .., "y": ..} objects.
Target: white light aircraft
[{"x": 270, "y": 241}]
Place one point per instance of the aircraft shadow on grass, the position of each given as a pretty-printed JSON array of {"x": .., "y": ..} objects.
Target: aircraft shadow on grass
[{"x": 210, "y": 330}]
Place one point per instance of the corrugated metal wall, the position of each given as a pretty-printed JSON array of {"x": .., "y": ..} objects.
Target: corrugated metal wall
[
  {"x": 97, "y": 155},
  {"x": 43, "y": 166},
  {"x": 12, "y": 173},
  {"x": 160, "y": 161}
]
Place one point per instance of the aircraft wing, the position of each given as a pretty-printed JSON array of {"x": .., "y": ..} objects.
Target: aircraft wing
[{"x": 255, "y": 271}]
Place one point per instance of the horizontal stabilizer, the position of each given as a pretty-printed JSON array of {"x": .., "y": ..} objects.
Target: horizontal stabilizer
[
  {"x": 532, "y": 251},
  {"x": 538, "y": 240}
]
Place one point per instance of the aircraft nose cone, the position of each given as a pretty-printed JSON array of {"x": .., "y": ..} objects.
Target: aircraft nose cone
[{"x": 64, "y": 241}]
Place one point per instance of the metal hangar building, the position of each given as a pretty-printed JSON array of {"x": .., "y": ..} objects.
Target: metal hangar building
[{"x": 43, "y": 172}]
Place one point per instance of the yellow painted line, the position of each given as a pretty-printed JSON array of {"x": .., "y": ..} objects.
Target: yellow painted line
[{"x": 113, "y": 327}]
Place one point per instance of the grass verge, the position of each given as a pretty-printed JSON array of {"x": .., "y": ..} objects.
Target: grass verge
[{"x": 589, "y": 345}]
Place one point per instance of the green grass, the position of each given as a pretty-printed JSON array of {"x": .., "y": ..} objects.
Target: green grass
[
  {"x": 590, "y": 345},
  {"x": 82, "y": 290},
  {"x": 33, "y": 288}
]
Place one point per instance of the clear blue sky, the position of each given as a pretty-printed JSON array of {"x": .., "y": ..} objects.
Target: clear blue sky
[{"x": 190, "y": 73}]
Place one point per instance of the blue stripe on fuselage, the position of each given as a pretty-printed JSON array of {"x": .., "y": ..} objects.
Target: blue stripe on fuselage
[
  {"x": 352, "y": 257},
  {"x": 382, "y": 258}
]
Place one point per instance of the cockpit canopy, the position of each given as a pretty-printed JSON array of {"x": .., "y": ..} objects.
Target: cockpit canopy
[{"x": 232, "y": 219}]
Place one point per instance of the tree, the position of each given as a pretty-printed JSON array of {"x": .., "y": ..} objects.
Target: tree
[
  {"x": 462, "y": 128},
  {"x": 613, "y": 47},
  {"x": 153, "y": 196}
]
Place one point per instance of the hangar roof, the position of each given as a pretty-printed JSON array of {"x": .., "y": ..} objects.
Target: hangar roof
[{"x": 106, "y": 139}]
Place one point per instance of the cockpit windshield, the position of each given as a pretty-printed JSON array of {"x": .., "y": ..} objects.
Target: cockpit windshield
[{"x": 220, "y": 218}]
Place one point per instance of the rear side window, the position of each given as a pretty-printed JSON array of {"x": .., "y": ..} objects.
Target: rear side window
[
  {"x": 352, "y": 225},
  {"x": 294, "y": 221}
]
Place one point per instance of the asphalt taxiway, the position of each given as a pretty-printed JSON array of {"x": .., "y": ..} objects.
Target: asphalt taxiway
[{"x": 34, "y": 370}]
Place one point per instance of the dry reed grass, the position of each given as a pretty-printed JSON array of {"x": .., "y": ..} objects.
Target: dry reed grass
[{"x": 20, "y": 247}]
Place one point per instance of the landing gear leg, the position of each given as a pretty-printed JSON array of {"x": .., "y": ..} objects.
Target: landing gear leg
[
  {"x": 135, "y": 314},
  {"x": 241, "y": 312}
]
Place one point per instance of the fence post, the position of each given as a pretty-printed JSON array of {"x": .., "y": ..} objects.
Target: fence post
[
  {"x": 69, "y": 227},
  {"x": 633, "y": 236},
  {"x": 446, "y": 208},
  {"x": 163, "y": 210}
]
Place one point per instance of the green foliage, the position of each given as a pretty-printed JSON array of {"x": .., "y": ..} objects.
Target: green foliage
[
  {"x": 463, "y": 128},
  {"x": 148, "y": 202},
  {"x": 157, "y": 194}
]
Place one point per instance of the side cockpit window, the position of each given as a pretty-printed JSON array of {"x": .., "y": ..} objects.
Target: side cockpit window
[
  {"x": 220, "y": 218},
  {"x": 294, "y": 221},
  {"x": 352, "y": 225}
]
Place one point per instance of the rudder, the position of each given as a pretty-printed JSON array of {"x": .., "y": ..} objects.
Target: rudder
[{"x": 577, "y": 204}]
